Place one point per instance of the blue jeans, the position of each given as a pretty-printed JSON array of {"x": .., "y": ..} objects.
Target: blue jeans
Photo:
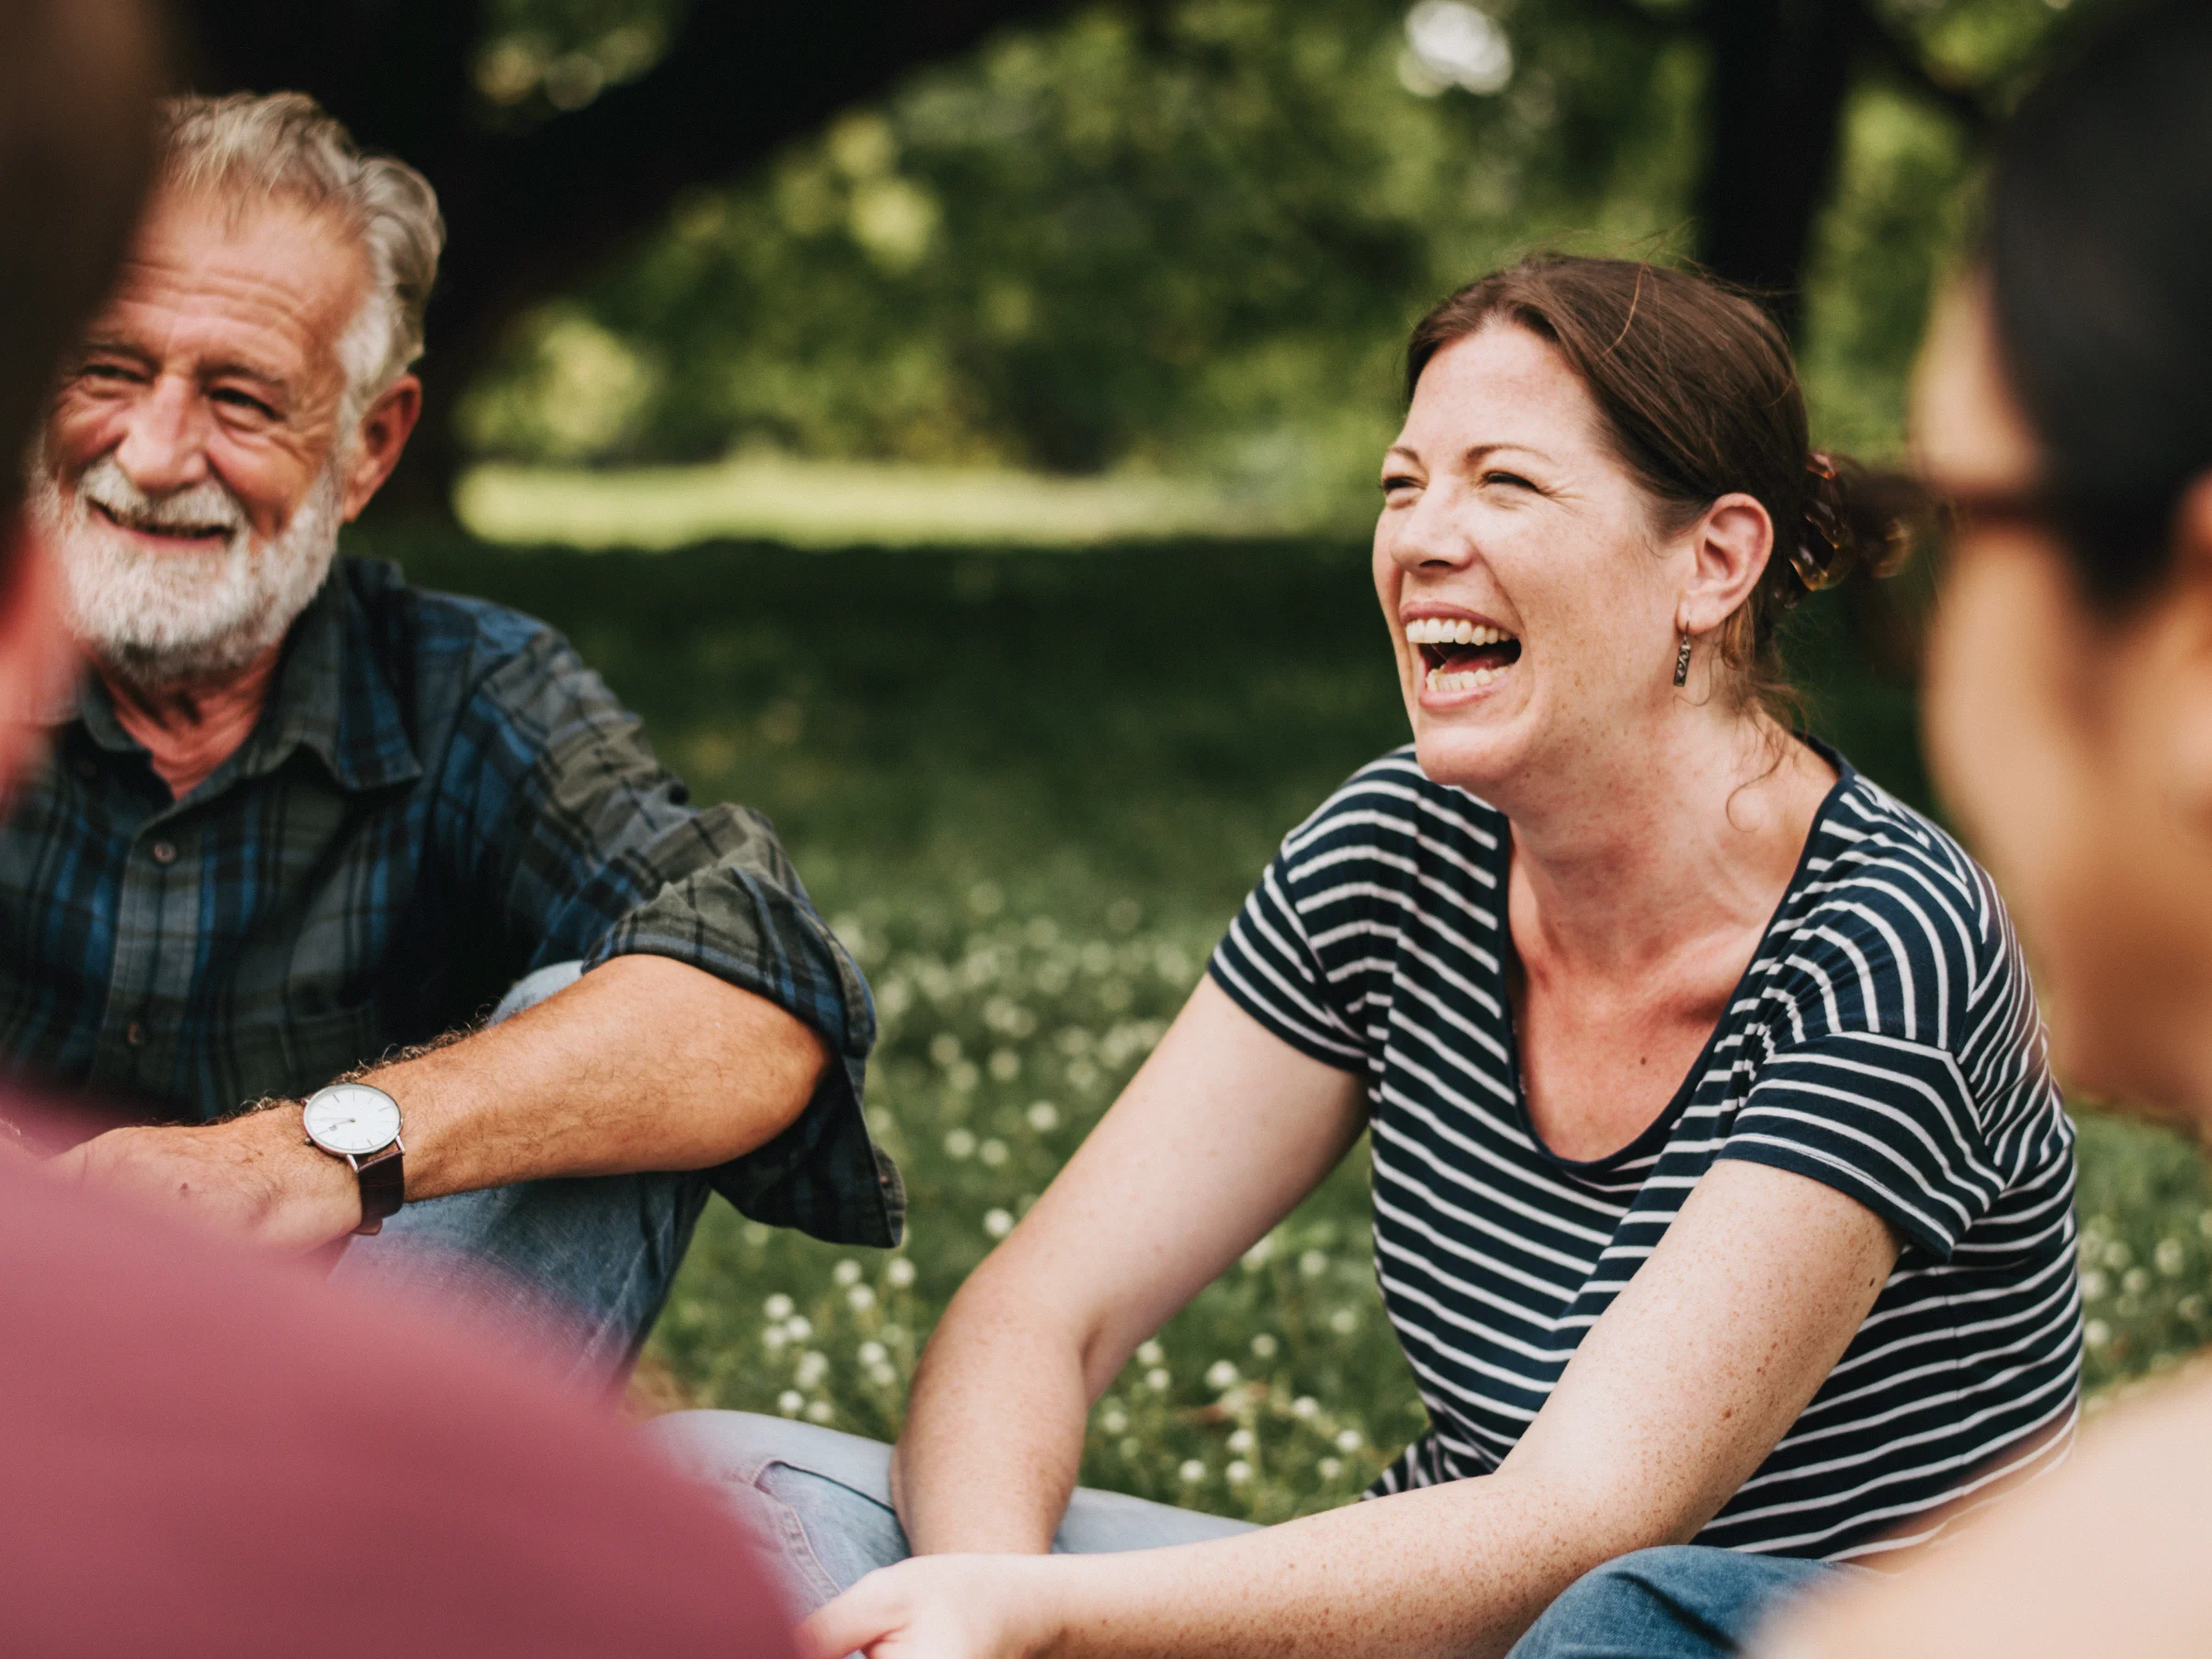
[
  {"x": 819, "y": 1502},
  {"x": 1685, "y": 1602},
  {"x": 575, "y": 1271}
]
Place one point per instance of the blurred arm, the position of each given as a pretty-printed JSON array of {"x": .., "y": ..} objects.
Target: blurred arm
[
  {"x": 1216, "y": 1138},
  {"x": 2107, "y": 1556}
]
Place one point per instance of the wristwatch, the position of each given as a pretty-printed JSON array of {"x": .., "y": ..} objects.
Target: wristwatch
[{"x": 361, "y": 1124}]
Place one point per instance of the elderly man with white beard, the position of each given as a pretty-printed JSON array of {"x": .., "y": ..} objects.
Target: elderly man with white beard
[{"x": 303, "y": 820}]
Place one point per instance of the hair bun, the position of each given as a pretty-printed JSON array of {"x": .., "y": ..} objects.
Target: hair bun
[{"x": 1855, "y": 518}]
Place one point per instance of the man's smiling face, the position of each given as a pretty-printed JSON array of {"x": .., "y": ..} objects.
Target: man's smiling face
[{"x": 192, "y": 477}]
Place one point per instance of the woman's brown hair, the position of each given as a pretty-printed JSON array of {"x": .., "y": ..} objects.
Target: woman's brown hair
[{"x": 1700, "y": 399}]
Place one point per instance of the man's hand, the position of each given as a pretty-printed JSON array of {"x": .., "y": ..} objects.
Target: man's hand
[
  {"x": 256, "y": 1175},
  {"x": 940, "y": 1607}
]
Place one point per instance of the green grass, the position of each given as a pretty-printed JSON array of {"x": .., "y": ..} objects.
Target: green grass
[{"x": 1030, "y": 788}]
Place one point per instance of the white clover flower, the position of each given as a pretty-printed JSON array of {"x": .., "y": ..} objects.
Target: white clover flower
[
  {"x": 2136, "y": 1282},
  {"x": 1150, "y": 1354},
  {"x": 993, "y": 1152},
  {"x": 883, "y": 1376},
  {"x": 812, "y": 1368},
  {"x": 846, "y": 1272},
  {"x": 998, "y": 1223},
  {"x": 1082, "y": 1073},
  {"x": 872, "y": 1353},
  {"x": 2171, "y": 1257},
  {"x": 900, "y": 1272},
  {"x": 1130, "y": 1448},
  {"x": 821, "y": 1411},
  {"x": 1344, "y": 1321},
  {"x": 777, "y": 1306},
  {"x": 1113, "y": 1421},
  {"x": 2097, "y": 1334},
  {"x": 1348, "y": 1439},
  {"x": 1192, "y": 1471},
  {"x": 1221, "y": 1374},
  {"x": 944, "y": 1048},
  {"x": 1158, "y": 1379},
  {"x": 1238, "y": 1473},
  {"x": 776, "y": 1336},
  {"x": 1257, "y": 1257},
  {"x": 2117, "y": 1255},
  {"x": 964, "y": 1076},
  {"x": 1243, "y": 1440},
  {"x": 1305, "y": 1407},
  {"x": 789, "y": 1402},
  {"x": 860, "y": 1298},
  {"x": 1044, "y": 1116},
  {"x": 894, "y": 1334},
  {"x": 1330, "y": 1468},
  {"x": 2204, "y": 1223},
  {"x": 1006, "y": 1065},
  {"x": 2094, "y": 1284},
  {"x": 1264, "y": 1345},
  {"x": 1312, "y": 1264},
  {"x": 960, "y": 1143},
  {"x": 798, "y": 1327}
]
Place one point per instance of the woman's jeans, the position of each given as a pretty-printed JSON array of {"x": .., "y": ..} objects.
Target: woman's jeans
[
  {"x": 819, "y": 1504},
  {"x": 573, "y": 1271}
]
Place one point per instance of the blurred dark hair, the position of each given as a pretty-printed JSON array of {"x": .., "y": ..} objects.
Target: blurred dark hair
[
  {"x": 77, "y": 83},
  {"x": 1701, "y": 399},
  {"x": 2099, "y": 258}
]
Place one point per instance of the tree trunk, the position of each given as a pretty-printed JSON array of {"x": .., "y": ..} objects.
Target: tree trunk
[{"x": 1781, "y": 70}]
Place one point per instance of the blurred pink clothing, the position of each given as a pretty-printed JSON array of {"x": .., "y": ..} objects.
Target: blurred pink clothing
[{"x": 206, "y": 1452}]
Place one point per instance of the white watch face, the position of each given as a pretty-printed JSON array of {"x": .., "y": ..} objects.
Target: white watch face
[{"x": 352, "y": 1118}]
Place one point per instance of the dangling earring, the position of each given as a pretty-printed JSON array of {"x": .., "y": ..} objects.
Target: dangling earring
[{"x": 1681, "y": 662}]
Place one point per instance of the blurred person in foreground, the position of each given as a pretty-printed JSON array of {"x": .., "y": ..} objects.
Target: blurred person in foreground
[
  {"x": 301, "y": 815},
  {"x": 204, "y": 1454},
  {"x": 1721, "y": 1192},
  {"x": 2065, "y": 402}
]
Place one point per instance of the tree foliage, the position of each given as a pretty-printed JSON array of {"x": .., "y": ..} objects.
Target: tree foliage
[{"x": 1190, "y": 236}]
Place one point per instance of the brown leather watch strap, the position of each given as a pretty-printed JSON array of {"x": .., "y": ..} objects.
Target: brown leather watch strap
[{"x": 383, "y": 1187}]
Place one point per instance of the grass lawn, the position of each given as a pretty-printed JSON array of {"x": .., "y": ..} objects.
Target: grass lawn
[{"x": 1030, "y": 788}]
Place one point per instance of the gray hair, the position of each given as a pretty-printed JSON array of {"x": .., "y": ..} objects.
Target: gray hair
[{"x": 283, "y": 145}]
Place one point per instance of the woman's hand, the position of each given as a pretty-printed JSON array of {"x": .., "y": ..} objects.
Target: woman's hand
[{"x": 937, "y": 1607}]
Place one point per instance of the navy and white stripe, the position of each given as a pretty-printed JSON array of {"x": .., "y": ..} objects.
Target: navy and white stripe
[{"x": 1884, "y": 1040}]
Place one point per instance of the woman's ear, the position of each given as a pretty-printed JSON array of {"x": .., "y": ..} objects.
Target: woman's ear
[{"x": 1730, "y": 545}]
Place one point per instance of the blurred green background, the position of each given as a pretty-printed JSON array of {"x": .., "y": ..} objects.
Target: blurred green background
[{"x": 978, "y": 485}]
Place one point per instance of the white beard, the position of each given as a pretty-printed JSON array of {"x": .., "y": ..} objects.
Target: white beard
[{"x": 165, "y": 618}]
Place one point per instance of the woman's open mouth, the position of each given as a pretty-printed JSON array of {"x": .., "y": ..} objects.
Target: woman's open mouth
[{"x": 1460, "y": 655}]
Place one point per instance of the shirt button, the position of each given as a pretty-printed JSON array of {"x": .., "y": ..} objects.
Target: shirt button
[
  {"x": 134, "y": 1035},
  {"x": 164, "y": 853}
]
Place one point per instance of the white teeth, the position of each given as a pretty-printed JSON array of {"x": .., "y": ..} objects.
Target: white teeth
[
  {"x": 1439, "y": 680},
  {"x": 1448, "y": 630}
]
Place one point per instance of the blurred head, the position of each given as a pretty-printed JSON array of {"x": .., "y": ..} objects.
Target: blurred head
[
  {"x": 2065, "y": 401},
  {"x": 77, "y": 81},
  {"x": 244, "y": 391},
  {"x": 1600, "y": 458}
]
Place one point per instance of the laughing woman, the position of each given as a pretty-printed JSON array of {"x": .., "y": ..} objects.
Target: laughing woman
[{"x": 1721, "y": 1192}]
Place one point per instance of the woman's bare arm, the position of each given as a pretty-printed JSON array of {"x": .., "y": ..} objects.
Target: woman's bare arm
[
  {"x": 1216, "y": 1138},
  {"x": 1675, "y": 1397}
]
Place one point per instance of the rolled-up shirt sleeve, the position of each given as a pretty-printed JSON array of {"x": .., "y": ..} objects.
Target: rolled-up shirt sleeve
[{"x": 592, "y": 849}]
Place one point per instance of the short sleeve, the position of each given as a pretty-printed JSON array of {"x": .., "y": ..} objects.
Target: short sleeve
[
  {"x": 1267, "y": 966},
  {"x": 1885, "y": 1120}
]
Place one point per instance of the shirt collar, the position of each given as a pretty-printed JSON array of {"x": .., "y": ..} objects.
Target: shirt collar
[{"x": 333, "y": 695}]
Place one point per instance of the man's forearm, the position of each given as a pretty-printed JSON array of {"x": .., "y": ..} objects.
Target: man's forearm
[
  {"x": 645, "y": 1063},
  {"x": 994, "y": 1431}
]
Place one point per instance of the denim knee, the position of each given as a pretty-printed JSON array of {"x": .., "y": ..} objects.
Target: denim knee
[{"x": 1676, "y": 1601}]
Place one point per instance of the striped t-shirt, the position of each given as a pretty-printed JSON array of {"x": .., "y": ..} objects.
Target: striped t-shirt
[{"x": 1883, "y": 1041}]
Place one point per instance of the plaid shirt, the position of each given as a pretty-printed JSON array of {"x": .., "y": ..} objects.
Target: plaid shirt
[{"x": 439, "y": 798}]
